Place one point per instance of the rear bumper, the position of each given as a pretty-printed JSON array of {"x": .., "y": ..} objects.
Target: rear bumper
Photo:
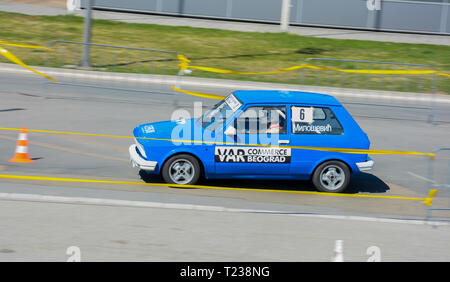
[
  {"x": 137, "y": 161},
  {"x": 367, "y": 165}
]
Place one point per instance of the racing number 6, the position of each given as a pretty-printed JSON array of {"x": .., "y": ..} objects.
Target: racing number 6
[{"x": 302, "y": 114}]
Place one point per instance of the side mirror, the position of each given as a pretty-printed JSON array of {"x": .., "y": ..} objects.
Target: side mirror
[{"x": 231, "y": 131}]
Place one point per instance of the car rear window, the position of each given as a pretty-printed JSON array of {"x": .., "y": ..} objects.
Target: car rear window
[{"x": 315, "y": 120}]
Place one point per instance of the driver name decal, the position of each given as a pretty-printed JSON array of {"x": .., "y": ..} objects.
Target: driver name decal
[
  {"x": 224, "y": 154},
  {"x": 319, "y": 129}
]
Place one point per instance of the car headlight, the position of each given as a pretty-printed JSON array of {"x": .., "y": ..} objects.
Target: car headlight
[{"x": 140, "y": 148}]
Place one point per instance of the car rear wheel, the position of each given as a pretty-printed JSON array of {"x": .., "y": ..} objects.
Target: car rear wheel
[
  {"x": 331, "y": 176},
  {"x": 181, "y": 169}
]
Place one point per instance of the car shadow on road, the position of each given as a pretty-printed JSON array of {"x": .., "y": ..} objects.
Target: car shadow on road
[
  {"x": 367, "y": 183},
  {"x": 364, "y": 182}
]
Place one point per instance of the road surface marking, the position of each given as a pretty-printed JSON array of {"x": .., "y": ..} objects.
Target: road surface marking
[
  {"x": 144, "y": 204},
  {"x": 59, "y": 179}
]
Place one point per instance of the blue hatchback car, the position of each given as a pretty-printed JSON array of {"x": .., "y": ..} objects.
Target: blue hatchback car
[{"x": 253, "y": 134}]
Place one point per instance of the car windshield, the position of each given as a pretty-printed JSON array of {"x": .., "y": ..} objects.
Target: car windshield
[{"x": 217, "y": 115}]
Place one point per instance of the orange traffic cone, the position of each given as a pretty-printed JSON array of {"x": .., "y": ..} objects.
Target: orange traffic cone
[{"x": 21, "y": 155}]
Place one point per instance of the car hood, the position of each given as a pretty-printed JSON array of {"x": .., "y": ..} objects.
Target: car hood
[{"x": 186, "y": 129}]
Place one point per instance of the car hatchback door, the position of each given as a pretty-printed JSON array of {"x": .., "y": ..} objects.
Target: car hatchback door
[
  {"x": 260, "y": 126},
  {"x": 313, "y": 126}
]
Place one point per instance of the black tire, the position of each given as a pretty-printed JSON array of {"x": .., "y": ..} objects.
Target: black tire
[
  {"x": 331, "y": 171},
  {"x": 174, "y": 164}
]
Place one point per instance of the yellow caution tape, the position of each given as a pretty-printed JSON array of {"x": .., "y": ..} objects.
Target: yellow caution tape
[
  {"x": 23, "y": 45},
  {"x": 10, "y": 56},
  {"x": 326, "y": 149},
  {"x": 428, "y": 201},
  {"x": 184, "y": 65},
  {"x": 249, "y": 73},
  {"x": 371, "y": 71},
  {"x": 443, "y": 74},
  {"x": 60, "y": 179},
  {"x": 199, "y": 94},
  {"x": 183, "y": 62}
]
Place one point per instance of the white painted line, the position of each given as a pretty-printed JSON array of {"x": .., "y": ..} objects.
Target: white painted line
[
  {"x": 374, "y": 219},
  {"x": 421, "y": 177},
  {"x": 112, "y": 202},
  {"x": 142, "y": 204}
]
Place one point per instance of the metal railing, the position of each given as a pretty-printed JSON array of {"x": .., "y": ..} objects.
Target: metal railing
[
  {"x": 394, "y": 15},
  {"x": 442, "y": 185},
  {"x": 414, "y": 86},
  {"x": 112, "y": 67}
]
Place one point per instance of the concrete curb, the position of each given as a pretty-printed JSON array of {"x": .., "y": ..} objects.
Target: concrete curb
[{"x": 228, "y": 84}]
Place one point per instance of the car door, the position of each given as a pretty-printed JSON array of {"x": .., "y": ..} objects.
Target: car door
[
  {"x": 252, "y": 131},
  {"x": 313, "y": 126}
]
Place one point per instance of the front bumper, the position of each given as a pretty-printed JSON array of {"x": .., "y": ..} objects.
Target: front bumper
[
  {"x": 367, "y": 165},
  {"x": 137, "y": 161}
]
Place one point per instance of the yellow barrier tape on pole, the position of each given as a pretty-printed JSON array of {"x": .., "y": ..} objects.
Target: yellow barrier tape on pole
[
  {"x": 23, "y": 45},
  {"x": 183, "y": 62},
  {"x": 429, "y": 200},
  {"x": 10, "y": 56},
  {"x": 184, "y": 65},
  {"x": 326, "y": 149}
]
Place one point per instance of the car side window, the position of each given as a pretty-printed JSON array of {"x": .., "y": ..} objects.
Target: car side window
[
  {"x": 315, "y": 120},
  {"x": 262, "y": 120}
]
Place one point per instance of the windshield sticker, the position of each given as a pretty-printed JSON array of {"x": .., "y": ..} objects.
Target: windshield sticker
[
  {"x": 252, "y": 155},
  {"x": 232, "y": 102},
  {"x": 148, "y": 129},
  {"x": 300, "y": 114}
]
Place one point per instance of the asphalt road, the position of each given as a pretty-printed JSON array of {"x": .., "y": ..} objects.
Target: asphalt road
[
  {"x": 120, "y": 233},
  {"x": 389, "y": 126}
]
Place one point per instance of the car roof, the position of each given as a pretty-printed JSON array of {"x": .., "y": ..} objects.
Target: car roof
[{"x": 278, "y": 96}]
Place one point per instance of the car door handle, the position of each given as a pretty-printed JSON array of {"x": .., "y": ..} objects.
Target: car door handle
[{"x": 283, "y": 141}]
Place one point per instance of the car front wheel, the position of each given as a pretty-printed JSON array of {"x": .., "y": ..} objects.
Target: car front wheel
[
  {"x": 181, "y": 169},
  {"x": 331, "y": 176}
]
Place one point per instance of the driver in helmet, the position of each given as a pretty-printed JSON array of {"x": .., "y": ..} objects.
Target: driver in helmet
[{"x": 275, "y": 122}]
